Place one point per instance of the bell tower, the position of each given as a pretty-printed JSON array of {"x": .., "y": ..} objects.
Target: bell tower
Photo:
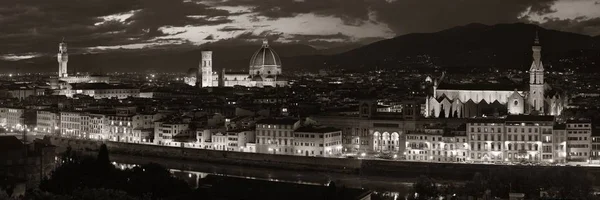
[
  {"x": 536, "y": 78},
  {"x": 206, "y": 72},
  {"x": 63, "y": 59}
]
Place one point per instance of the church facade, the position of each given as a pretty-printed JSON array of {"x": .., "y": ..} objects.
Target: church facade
[
  {"x": 264, "y": 71},
  {"x": 475, "y": 100}
]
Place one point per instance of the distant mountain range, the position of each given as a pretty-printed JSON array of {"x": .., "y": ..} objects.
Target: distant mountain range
[
  {"x": 473, "y": 45},
  {"x": 476, "y": 45}
]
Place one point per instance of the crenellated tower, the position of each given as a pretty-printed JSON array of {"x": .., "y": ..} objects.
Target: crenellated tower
[
  {"x": 63, "y": 59},
  {"x": 536, "y": 79}
]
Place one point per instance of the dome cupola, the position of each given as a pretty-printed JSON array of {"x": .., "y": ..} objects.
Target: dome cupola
[{"x": 265, "y": 61}]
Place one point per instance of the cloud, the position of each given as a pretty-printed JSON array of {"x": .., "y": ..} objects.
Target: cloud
[
  {"x": 38, "y": 25},
  {"x": 320, "y": 37},
  {"x": 158, "y": 13},
  {"x": 589, "y": 26},
  {"x": 231, "y": 28},
  {"x": 209, "y": 37},
  {"x": 13, "y": 57},
  {"x": 434, "y": 15},
  {"x": 404, "y": 16},
  {"x": 350, "y": 11}
]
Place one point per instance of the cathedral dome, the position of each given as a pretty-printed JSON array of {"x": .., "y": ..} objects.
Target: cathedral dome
[{"x": 265, "y": 56}]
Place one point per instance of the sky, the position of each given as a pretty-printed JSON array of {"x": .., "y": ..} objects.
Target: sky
[{"x": 31, "y": 28}]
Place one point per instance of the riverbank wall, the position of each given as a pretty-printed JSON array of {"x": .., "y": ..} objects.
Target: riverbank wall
[
  {"x": 363, "y": 167},
  {"x": 339, "y": 165}
]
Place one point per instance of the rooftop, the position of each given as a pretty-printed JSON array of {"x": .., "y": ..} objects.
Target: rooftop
[
  {"x": 281, "y": 121},
  {"x": 529, "y": 118},
  {"x": 91, "y": 86},
  {"x": 480, "y": 86},
  {"x": 486, "y": 120},
  {"x": 560, "y": 126},
  {"x": 236, "y": 73},
  {"x": 577, "y": 121},
  {"x": 317, "y": 129}
]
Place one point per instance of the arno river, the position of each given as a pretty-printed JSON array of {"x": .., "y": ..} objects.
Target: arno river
[{"x": 192, "y": 171}]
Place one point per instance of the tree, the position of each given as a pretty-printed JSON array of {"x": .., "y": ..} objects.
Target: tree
[
  {"x": 447, "y": 189},
  {"x": 69, "y": 156},
  {"x": 425, "y": 188},
  {"x": 477, "y": 186},
  {"x": 154, "y": 180},
  {"x": 101, "y": 194},
  {"x": 104, "y": 180},
  {"x": 84, "y": 194},
  {"x": 103, "y": 159},
  {"x": 4, "y": 195},
  {"x": 331, "y": 191}
]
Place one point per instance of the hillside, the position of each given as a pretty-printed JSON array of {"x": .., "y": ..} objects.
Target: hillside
[{"x": 476, "y": 45}]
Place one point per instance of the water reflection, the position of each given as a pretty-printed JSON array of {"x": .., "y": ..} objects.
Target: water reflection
[
  {"x": 193, "y": 177},
  {"x": 387, "y": 188}
]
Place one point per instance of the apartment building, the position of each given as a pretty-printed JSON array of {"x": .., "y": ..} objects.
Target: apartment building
[
  {"x": 12, "y": 119},
  {"x": 132, "y": 128},
  {"x": 579, "y": 138},
  {"x": 47, "y": 121},
  {"x": 275, "y": 136},
  {"x": 238, "y": 140},
  {"x": 559, "y": 134},
  {"x": 437, "y": 144},
  {"x": 595, "y": 154},
  {"x": 96, "y": 126},
  {"x": 70, "y": 124},
  {"x": 165, "y": 130},
  {"x": 318, "y": 141}
]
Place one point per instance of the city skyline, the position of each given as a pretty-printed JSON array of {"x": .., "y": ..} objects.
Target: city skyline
[
  {"x": 105, "y": 25},
  {"x": 300, "y": 99}
]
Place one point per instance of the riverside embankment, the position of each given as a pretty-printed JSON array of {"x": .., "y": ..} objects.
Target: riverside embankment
[{"x": 360, "y": 167}]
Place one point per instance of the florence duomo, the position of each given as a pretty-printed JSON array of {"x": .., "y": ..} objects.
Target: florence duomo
[
  {"x": 264, "y": 70},
  {"x": 481, "y": 99}
]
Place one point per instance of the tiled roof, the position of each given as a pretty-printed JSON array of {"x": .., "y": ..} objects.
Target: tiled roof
[
  {"x": 480, "y": 86},
  {"x": 560, "y": 126},
  {"x": 88, "y": 86},
  {"x": 282, "y": 121},
  {"x": 529, "y": 118},
  {"x": 317, "y": 129}
]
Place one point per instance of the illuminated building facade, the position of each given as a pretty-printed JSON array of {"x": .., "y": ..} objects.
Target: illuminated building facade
[{"x": 475, "y": 99}]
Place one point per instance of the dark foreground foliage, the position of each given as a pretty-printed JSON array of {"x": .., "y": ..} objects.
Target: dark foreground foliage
[
  {"x": 96, "y": 178},
  {"x": 549, "y": 183}
]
